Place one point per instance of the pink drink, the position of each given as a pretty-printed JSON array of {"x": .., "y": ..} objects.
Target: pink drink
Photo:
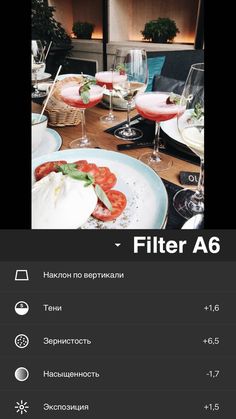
[
  {"x": 108, "y": 78},
  {"x": 71, "y": 96},
  {"x": 153, "y": 106}
]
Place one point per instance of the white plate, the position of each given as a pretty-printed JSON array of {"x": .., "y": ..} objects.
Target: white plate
[
  {"x": 63, "y": 76},
  {"x": 51, "y": 142},
  {"x": 43, "y": 76},
  {"x": 115, "y": 107},
  {"x": 43, "y": 87},
  {"x": 147, "y": 200},
  {"x": 194, "y": 223},
  {"x": 170, "y": 128}
]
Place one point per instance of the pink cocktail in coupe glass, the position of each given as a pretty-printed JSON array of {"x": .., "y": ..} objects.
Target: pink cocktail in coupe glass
[
  {"x": 158, "y": 107},
  {"x": 107, "y": 79},
  {"x": 70, "y": 94}
]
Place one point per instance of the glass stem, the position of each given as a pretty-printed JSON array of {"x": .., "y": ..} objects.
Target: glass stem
[
  {"x": 83, "y": 126},
  {"x": 128, "y": 115},
  {"x": 111, "y": 104},
  {"x": 196, "y": 204},
  {"x": 36, "y": 83},
  {"x": 156, "y": 141},
  {"x": 200, "y": 187}
]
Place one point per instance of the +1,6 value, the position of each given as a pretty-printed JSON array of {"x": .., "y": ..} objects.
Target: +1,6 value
[{"x": 213, "y": 308}]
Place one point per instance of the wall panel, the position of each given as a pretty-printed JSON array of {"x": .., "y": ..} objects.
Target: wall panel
[
  {"x": 137, "y": 12},
  {"x": 90, "y": 11},
  {"x": 69, "y": 11}
]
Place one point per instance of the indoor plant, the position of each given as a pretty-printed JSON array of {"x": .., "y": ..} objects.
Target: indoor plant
[
  {"x": 160, "y": 30},
  {"x": 46, "y": 28},
  {"x": 83, "y": 30}
]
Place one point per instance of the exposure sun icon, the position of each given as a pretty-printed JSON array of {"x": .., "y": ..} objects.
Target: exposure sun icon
[{"x": 21, "y": 407}]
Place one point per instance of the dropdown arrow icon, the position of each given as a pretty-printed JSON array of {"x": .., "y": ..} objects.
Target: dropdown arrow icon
[{"x": 117, "y": 244}]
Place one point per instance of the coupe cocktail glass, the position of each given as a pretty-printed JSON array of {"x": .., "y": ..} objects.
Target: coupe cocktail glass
[
  {"x": 106, "y": 79},
  {"x": 70, "y": 94},
  {"x": 156, "y": 106}
]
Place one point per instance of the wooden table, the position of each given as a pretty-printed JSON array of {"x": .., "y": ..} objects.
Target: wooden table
[{"x": 106, "y": 141}]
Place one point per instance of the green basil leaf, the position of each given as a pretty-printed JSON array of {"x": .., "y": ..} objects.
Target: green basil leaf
[
  {"x": 198, "y": 111},
  {"x": 78, "y": 175},
  {"x": 103, "y": 197},
  {"x": 86, "y": 177},
  {"x": 89, "y": 82},
  {"x": 65, "y": 168},
  {"x": 85, "y": 95},
  {"x": 71, "y": 171},
  {"x": 85, "y": 90},
  {"x": 121, "y": 68},
  {"x": 88, "y": 183},
  {"x": 91, "y": 177},
  {"x": 175, "y": 99}
]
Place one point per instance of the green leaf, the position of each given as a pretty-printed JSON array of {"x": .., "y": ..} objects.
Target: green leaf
[
  {"x": 90, "y": 180},
  {"x": 90, "y": 177},
  {"x": 175, "y": 99},
  {"x": 75, "y": 174},
  {"x": 65, "y": 168},
  {"x": 198, "y": 111},
  {"x": 85, "y": 95},
  {"x": 84, "y": 90},
  {"x": 71, "y": 171},
  {"x": 103, "y": 197},
  {"x": 88, "y": 82},
  {"x": 121, "y": 68}
]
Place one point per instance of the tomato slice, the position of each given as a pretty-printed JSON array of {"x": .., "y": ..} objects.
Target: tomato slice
[
  {"x": 118, "y": 201},
  {"x": 92, "y": 169},
  {"x": 103, "y": 174},
  {"x": 109, "y": 182},
  {"x": 48, "y": 167},
  {"x": 81, "y": 165}
]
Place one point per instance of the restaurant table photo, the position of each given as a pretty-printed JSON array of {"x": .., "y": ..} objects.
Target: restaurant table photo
[{"x": 117, "y": 116}]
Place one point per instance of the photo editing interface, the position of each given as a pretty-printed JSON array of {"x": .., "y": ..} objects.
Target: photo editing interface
[
  {"x": 118, "y": 326},
  {"x": 117, "y": 267}
]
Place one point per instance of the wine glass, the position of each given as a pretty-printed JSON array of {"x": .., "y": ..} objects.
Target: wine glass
[
  {"x": 106, "y": 79},
  {"x": 71, "y": 94},
  {"x": 158, "y": 107},
  {"x": 191, "y": 127},
  {"x": 37, "y": 64},
  {"x": 131, "y": 64}
]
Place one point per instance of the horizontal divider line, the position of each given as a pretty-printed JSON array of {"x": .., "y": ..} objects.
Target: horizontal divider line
[{"x": 122, "y": 391}]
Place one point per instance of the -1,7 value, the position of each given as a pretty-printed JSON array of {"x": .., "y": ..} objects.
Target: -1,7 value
[{"x": 213, "y": 374}]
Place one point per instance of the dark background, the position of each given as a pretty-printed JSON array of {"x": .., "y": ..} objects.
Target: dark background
[{"x": 146, "y": 332}]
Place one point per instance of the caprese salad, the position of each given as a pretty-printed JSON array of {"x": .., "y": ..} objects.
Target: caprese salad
[{"x": 65, "y": 195}]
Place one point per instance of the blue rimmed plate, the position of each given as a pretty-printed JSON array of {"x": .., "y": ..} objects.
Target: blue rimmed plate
[
  {"x": 51, "y": 142},
  {"x": 147, "y": 200}
]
